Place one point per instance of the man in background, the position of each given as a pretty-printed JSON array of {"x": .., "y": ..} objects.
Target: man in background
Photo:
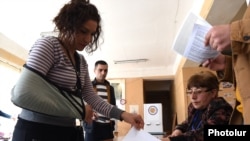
[{"x": 102, "y": 127}]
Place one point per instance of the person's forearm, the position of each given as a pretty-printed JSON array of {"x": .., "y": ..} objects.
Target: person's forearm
[{"x": 116, "y": 113}]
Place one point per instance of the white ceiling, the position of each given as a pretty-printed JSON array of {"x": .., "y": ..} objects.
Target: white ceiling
[{"x": 132, "y": 29}]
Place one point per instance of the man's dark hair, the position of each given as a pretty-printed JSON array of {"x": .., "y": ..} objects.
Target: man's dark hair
[{"x": 102, "y": 62}]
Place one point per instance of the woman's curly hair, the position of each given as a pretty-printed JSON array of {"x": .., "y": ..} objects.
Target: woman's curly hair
[{"x": 70, "y": 19}]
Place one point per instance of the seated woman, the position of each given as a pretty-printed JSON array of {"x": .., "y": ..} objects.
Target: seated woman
[{"x": 206, "y": 108}]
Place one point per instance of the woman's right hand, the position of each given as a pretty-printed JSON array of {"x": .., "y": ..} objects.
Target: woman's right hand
[
  {"x": 176, "y": 132},
  {"x": 134, "y": 119},
  {"x": 165, "y": 139}
]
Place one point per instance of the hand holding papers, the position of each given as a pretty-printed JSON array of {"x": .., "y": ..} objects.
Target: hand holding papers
[
  {"x": 196, "y": 50},
  {"x": 190, "y": 40},
  {"x": 139, "y": 135}
]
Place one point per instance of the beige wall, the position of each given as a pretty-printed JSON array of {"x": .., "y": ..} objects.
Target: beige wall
[
  {"x": 178, "y": 98},
  {"x": 11, "y": 52},
  {"x": 134, "y": 96},
  {"x": 11, "y": 58}
]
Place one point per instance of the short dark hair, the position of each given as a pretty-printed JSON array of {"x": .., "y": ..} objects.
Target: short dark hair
[
  {"x": 102, "y": 62},
  {"x": 204, "y": 79}
]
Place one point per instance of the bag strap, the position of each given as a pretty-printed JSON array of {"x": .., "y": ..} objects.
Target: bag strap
[{"x": 79, "y": 83}]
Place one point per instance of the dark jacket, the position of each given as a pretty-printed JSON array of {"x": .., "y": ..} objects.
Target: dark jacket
[
  {"x": 111, "y": 88},
  {"x": 112, "y": 100}
]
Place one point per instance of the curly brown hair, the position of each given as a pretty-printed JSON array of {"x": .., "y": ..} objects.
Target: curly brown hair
[{"x": 71, "y": 17}]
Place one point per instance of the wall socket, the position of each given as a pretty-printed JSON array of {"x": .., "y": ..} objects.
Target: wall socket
[{"x": 134, "y": 109}]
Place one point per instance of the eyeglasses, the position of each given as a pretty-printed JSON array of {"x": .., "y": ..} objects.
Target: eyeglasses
[{"x": 196, "y": 91}]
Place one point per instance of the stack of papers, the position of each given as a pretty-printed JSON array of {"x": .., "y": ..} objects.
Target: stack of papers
[
  {"x": 139, "y": 135},
  {"x": 190, "y": 40}
]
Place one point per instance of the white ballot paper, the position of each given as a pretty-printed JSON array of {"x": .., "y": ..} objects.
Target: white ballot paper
[
  {"x": 139, "y": 135},
  {"x": 189, "y": 41}
]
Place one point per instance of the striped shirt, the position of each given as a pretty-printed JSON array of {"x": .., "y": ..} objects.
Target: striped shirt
[
  {"x": 48, "y": 57},
  {"x": 103, "y": 93}
]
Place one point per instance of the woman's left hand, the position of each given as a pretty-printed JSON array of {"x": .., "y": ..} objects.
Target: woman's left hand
[
  {"x": 88, "y": 114},
  {"x": 165, "y": 139},
  {"x": 134, "y": 119}
]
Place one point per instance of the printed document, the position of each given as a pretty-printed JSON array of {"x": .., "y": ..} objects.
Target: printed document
[
  {"x": 190, "y": 39},
  {"x": 139, "y": 135}
]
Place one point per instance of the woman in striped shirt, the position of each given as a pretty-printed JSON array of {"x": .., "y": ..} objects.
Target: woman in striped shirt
[{"x": 57, "y": 59}]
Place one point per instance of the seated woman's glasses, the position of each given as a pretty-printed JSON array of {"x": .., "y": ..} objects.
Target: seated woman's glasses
[{"x": 196, "y": 91}]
